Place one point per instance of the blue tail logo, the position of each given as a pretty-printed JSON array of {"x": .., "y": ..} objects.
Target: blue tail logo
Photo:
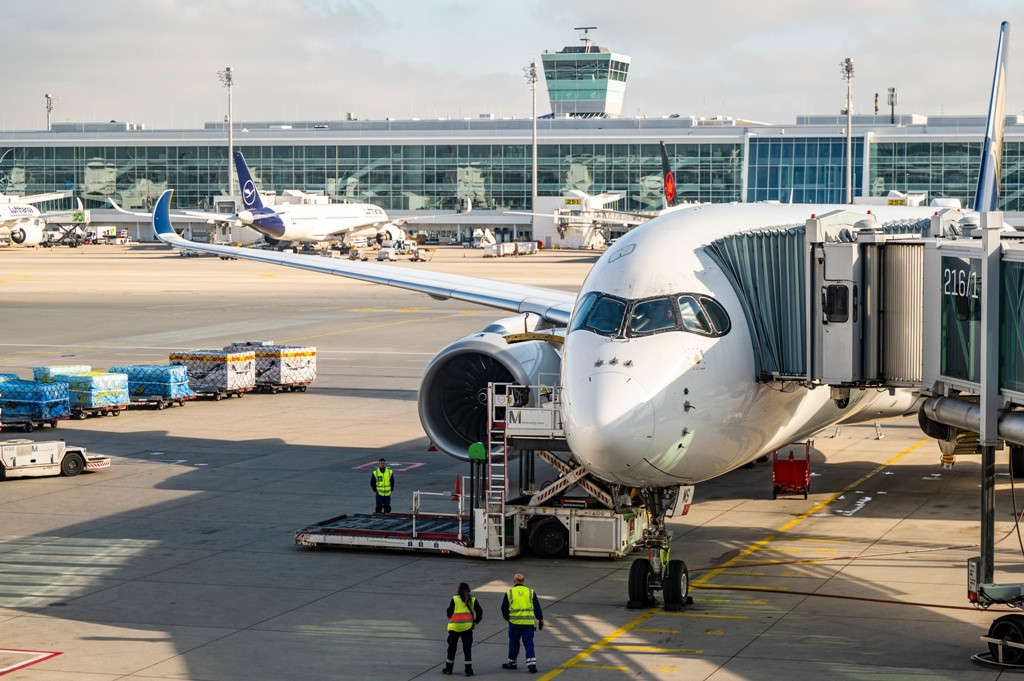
[
  {"x": 250, "y": 197},
  {"x": 986, "y": 198}
]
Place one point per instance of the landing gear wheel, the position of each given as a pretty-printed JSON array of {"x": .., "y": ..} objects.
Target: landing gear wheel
[
  {"x": 73, "y": 464},
  {"x": 641, "y": 595},
  {"x": 677, "y": 586},
  {"x": 1009, "y": 629},
  {"x": 550, "y": 539}
]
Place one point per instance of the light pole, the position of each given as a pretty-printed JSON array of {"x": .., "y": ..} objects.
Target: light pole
[
  {"x": 846, "y": 67},
  {"x": 892, "y": 105},
  {"x": 531, "y": 78},
  {"x": 49, "y": 108},
  {"x": 227, "y": 80}
]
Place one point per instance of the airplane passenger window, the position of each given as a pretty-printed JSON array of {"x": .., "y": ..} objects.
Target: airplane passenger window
[
  {"x": 717, "y": 314},
  {"x": 650, "y": 316}
]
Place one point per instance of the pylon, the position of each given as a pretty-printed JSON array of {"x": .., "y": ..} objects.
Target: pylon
[
  {"x": 432, "y": 447},
  {"x": 458, "y": 488}
]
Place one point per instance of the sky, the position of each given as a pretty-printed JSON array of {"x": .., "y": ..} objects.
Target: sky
[{"x": 155, "y": 62}]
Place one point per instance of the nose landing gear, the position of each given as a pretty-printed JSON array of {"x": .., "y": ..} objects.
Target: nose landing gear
[{"x": 657, "y": 572}]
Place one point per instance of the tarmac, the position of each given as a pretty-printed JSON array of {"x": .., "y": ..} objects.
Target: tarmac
[{"x": 178, "y": 562}]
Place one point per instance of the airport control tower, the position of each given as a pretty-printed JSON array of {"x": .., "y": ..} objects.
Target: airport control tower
[{"x": 585, "y": 80}]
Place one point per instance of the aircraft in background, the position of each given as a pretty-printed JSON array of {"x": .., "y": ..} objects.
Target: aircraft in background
[
  {"x": 657, "y": 368},
  {"x": 284, "y": 224},
  {"x": 21, "y": 223}
]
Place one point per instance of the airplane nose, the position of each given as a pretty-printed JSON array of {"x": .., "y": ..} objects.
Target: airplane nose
[{"x": 609, "y": 421}]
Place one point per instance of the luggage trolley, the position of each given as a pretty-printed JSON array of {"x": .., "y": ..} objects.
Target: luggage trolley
[{"x": 792, "y": 474}]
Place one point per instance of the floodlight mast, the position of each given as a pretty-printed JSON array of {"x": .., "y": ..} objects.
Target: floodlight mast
[
  {"x": 892, "y": 105},
  {"x": 227, "y": 80},
  {"x": 531, "y": 77},
  {"x": 846, "y": 68}
]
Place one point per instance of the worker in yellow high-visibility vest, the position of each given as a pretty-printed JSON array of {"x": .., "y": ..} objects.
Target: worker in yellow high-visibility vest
[
  {"x": 382, "y": 482},
  {"x": 464, "y": 613},
  {"x": 520, "y": 608}
]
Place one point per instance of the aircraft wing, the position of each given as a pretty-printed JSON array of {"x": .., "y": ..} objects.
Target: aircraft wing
[
  {"x": 209, "y": 216},
  {"x": 38, "y": 198},
  {"x": 553, "y": 305}
]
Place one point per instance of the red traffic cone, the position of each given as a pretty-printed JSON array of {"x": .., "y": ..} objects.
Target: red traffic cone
[
  {"x": 458, "y": 488},
  {"x": 432, "y": 447}
]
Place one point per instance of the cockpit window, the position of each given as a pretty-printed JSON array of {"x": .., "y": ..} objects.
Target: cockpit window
[
  {"x": 599, "y": 313},
  {"x": 651, "y": 316},
  {"x": 603, "y": 314},
  {"x": 717, "y": 314},
  {"x": 693, "y": 316}
]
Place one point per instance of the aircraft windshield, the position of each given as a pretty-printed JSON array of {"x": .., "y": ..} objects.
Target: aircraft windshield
[{"x": 604, "y": 315}]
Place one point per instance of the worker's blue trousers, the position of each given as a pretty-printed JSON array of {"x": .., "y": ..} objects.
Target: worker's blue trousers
[{"x": 524, "y": 632}]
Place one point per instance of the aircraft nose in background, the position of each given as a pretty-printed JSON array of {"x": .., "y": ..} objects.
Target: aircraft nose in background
[{"x": 609, "y": 421}]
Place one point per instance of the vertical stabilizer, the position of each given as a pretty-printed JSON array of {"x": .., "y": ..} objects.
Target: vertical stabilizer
[
  {"x": 250, "y": 197},
  {"x": 669, "y": 180},
  {"x": 986, "y": 198}
]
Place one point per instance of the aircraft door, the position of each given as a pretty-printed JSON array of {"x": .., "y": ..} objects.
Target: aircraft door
[{"x": 837, "y": 316}]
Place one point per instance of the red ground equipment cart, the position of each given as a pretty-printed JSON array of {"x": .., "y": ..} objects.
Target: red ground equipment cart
[{"x": 791, "y": 474}]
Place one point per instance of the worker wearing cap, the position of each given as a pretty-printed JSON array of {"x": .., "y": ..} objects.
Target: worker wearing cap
[
  {"x": 520, "y": 608},
  {"x": 382, "y": 482}
]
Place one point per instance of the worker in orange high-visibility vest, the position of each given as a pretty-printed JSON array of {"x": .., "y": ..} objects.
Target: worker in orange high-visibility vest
[{"x": 464, "y": 613}]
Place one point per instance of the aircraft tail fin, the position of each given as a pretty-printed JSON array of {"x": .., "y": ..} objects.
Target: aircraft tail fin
[
  {"x": 250, "y": 197},
  {"x": 668, "y": 178},
  {"x": 986, "y": 197}
]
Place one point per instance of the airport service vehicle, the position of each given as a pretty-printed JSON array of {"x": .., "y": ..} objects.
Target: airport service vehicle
[
  {"x": 669, "y": 367},
  {"x": 25, "y": 458}
]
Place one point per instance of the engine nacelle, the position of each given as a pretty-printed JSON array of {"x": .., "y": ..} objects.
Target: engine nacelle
[
  {"x": 26, "y": 234},
  {"x": 392, "y": 233},
  {"x": 453, "y": 393}
]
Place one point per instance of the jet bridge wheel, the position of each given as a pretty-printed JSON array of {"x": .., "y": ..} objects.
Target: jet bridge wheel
[
  {"x": 1008, "y": 628},
  {"x": 641, "y": 593},
  {"x": 677, "y": 586}
]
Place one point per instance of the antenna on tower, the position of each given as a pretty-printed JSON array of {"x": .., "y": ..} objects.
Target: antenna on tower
[{"x": 587, "y": 40}]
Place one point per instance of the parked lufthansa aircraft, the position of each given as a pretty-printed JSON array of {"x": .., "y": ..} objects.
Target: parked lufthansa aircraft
[
  {"x": 289, "y": 223},
  {"x": 20, "y": 220},
  {"x": 657, "y": 367}
]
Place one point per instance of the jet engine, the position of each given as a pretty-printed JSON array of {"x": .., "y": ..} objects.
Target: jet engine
[
  {"x": 392, "y": 233},
  {"x": 453, "y": 393},
  {"x": 26, "y": 234}
]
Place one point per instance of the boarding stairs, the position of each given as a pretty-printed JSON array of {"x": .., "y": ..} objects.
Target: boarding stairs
[{"x": 496, "y": 489}]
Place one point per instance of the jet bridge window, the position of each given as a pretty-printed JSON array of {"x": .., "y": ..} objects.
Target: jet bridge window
[
  {"x": 835, "y": 303},
  {"x": 602, "y": 314}
]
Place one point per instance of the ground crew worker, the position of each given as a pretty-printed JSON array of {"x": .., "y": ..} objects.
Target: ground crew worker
[
  {"x": 382, "y": 482},
  {"x": 520, "y": 608},
  {"x": 464, "y": 613}
]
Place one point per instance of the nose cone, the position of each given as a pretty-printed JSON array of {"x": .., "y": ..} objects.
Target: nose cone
[{"x": 609, "y": 422}]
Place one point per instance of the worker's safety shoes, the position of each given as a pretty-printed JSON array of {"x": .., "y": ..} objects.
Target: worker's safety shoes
[
  {"x": 509, "y": 665},
  {"x": 469, "y": 670}
]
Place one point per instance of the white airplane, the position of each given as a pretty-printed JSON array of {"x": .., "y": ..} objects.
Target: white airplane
[
  {"x": 289, "y": 223},
  {"x": 658, "y": 370},
  {"x": 22, "y": 223}
]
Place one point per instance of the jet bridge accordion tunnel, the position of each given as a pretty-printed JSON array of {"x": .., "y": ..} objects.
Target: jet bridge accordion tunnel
[{"x": 854, "y": 304}]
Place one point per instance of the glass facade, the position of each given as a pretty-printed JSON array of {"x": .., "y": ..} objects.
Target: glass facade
[
  {"x": 802, "y": 169},
  {"x": 425, "y": 165},
  {"x": 944, "y": 170},
  {"x": 395, "y": 177}
]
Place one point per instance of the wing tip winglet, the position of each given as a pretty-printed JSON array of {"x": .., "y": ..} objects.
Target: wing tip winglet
[{"x": 162, "y": 216}]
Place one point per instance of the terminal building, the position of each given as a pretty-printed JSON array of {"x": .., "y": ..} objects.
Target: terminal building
[{"x": 432, "y": 166}]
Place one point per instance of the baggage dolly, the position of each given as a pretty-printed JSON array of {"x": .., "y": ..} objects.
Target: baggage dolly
[
  {"x": 81, "y": 413},
  {"x": 28, "y": 425},
  {"x": 160, "y": 402}
]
